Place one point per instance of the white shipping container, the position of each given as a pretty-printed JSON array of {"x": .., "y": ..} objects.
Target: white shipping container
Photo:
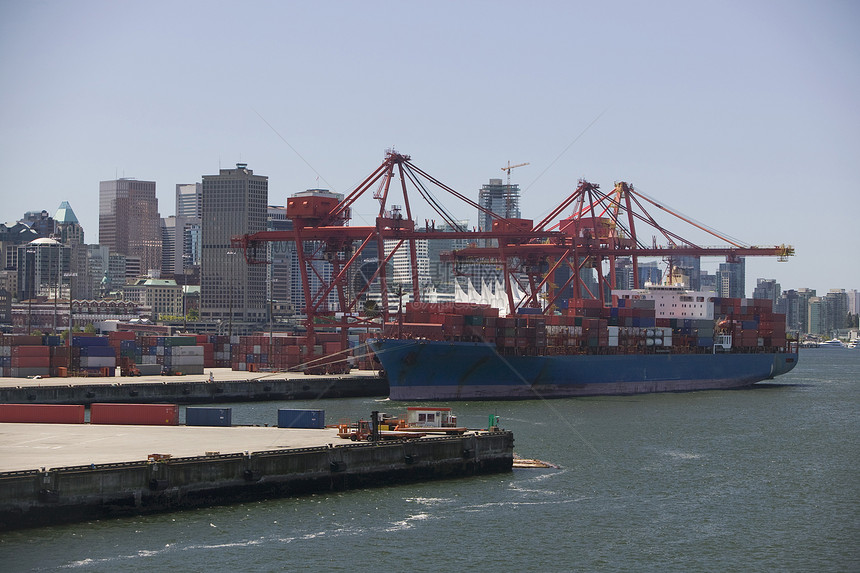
[
  {"x": 148, "y": 359},
  {"x": 187, "y": 351},
  {"x": 98, "y": 362},
  {"x": 187, "y": 361},
  {"x": 5, "y": 351},
  {"x": 257, "y": 349}
]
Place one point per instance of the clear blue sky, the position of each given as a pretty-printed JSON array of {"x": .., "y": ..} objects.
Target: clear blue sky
[{"x": 744, "y": 115}]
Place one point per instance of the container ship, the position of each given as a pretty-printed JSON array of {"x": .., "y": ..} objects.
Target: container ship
[
  {"x": 561, "y": 329},
  {"x": 657, "y": 339}
]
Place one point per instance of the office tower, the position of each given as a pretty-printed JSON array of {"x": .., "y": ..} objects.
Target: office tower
[
  {"x": 168, "y": 245},
  {"x": 41, "y": 222},
  {"x": 42, "y": 264},
  {"x": 129, "y": 223},
  {"x": 70, "y": 232},
  {"x": 189, "y": 200},
  {"x": 232, "y": 291},
  {"x": 731, "y": 279},
  {"x": 189, "y": 211}
]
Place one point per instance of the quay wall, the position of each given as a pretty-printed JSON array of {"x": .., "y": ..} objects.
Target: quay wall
[
  {"x": 71, "y": 494},
  {"x": 197, "y": 392}
]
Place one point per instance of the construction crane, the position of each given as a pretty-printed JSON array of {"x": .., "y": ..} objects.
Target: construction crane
[{"x": 509, "y": 167}]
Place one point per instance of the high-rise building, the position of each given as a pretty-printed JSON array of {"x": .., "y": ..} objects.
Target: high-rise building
[
  {"x": 41, "y": 222},
  {"x": 691, "y": 267},
  {"x": 836, "y": 308},
  {"x": 817, "y": 316},
  {"x": 804, "y": 295},
  {"x": 168, "y": 244},
  {"x": 129, "y": 223},
  {"x": 731, "y": 279},
  {"x": 853, "y": 301},
  {"x": 790, "y": 305},
  {"x": 441, "y": 273},
  {"x": 501, "y": 199},
  {"x": 189, "y": 200},
  {"x": 189, "y": 213},
  {"x": 768, "y": 289},
  {"x": 70, "y": 232},
  {"x": 280, "y": 255},
  {"x": 43, "y": 263},
  {"x": 232, "y": 291}
]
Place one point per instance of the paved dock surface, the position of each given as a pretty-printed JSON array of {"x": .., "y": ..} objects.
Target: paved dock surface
[
  {"x": 34, "y": 446},
  {"x": 219, "y": 374}
]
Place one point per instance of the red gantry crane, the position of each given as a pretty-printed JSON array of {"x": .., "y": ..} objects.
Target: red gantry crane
[{"x": 602, "y": 227}]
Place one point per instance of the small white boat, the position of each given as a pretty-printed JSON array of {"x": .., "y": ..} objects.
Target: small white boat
[{"x": 832, "y": 343}]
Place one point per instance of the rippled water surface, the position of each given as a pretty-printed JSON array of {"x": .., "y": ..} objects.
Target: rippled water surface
[{"x": 752, "y": 480}]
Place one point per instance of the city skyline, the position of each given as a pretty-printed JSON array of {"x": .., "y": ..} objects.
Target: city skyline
[{"x": 742, "y": 116}]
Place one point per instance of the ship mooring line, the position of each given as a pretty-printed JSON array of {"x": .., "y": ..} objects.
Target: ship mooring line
[
  {"x": 548, "y": 404},
  {"x": 299, "y": 155}
]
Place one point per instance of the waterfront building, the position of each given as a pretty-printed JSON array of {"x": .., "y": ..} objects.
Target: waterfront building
[
  {"x": 129, "y": 223},
  {"x": 804, "y": 295},
  {"x": 836, "y": 309},
  {"x": 232, "y": 291},
  {"x": 816, "y": 316}
]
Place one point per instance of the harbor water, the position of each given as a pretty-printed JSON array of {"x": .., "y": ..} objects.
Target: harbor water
[{"x": 764, "y": 479}]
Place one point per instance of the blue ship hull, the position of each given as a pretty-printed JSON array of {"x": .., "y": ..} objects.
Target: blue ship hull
[{"x": 431, "y": 370}]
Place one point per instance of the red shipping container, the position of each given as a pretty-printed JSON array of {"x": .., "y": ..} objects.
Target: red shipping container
[
  {"x": 135, "y": 414},
  {"x": 31, "y": 361},
  {"x": 31, "y": 351},
  {"x": 42, "y": 413}
]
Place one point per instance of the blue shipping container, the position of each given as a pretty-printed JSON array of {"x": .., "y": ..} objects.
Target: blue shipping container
[
  {"x": 314, "y": 419},
  {"x": 98, "y": 351},
  {"x": 89, "y": 341},
  {"x": 208, "y": 416}
]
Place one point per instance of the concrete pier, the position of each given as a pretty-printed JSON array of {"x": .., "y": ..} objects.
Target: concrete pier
[
  {"x": 228, "y": 386},
  {"x": 53, "y": 473}
]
